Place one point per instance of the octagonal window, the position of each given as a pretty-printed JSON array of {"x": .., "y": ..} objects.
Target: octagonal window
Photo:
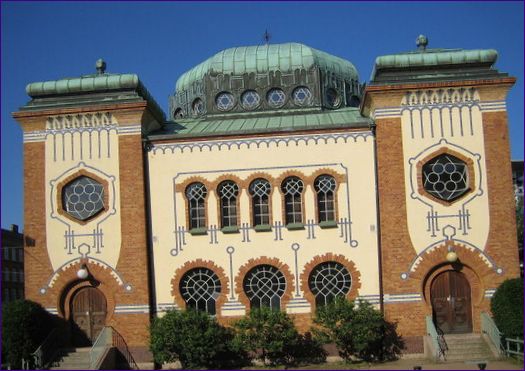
[
  {"x": 446, "y": 177},
  {"x": 83, "y": 198}
]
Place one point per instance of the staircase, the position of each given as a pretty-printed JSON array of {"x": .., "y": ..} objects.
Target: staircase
[
  {"x": 73, "y": 359},
  {"x": 467, "y": 347}
]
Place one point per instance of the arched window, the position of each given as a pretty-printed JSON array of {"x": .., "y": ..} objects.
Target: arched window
[
  {"x": 325, "y": 189},
  {"x": 260, "y": 191},
  {"x": 228, "y": 192},
  {"x": 196, "y": 195},
  {"x": 200, "y": 288},
  {"x": 264, "y": 285},
  {"x": 292, "y": 188},
  {"x": 328, "y": 281}
]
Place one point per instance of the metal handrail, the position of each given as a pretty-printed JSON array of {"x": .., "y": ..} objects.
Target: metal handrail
[
  {"x": 120, "y": 344},
  {"x": 102, "y": 343},
  {"x": 109, "y": 338},
  {"x": 519, "y": 349},
  {"x": 488, "y": 326},
  {"x": 438, "y": 340},
  {"x": 46, "y": 352}
]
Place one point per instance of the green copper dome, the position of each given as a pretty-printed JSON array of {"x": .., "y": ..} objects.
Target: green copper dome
[
  {"x": 266, "y": 79},
  {"x": 285, "y": 58}
]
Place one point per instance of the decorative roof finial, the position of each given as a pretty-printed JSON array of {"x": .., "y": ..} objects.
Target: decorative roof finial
[
  {"x": 266, "y": 37},
  {"x": 422, "y": 42},
  {"x": 101, "y": 66}
]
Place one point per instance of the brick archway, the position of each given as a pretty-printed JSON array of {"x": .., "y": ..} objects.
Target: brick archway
[{"x": 68, "y": 283}]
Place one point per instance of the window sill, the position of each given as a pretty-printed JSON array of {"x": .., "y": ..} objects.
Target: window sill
[
  {"x": 230, "y": 229},
  {"x": 294, "y": 226},
  {"x": 328, "y": 224},
  {"x": 263, "y": 228},
  {"x": 199, "y": 231}
]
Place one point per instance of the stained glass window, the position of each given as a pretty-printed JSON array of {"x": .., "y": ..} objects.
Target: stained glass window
[
  {"x": 250, "y": 99},
  {"x": 276, "y": 98},
  {"x": 224, "y": 101},
  {"x": 302, "y": 96}
]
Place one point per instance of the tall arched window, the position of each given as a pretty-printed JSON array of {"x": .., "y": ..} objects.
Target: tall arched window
[
  {"x": 200, "y": 288},
  {"x": 228, "y": 192},
  {"x": 292, "y": 188},
  {"x": 264, "y": 285},
  {"x": 260, "y": 191},
  {"x": 325, "y": 189},
  {"x": 196, "y": 195}
]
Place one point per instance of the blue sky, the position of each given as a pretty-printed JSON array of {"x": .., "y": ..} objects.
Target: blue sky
[{"x": 161, "y": 40}]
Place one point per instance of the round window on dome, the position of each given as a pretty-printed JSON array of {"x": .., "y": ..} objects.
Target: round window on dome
[
  {"x": 224, "y": 101},
  {"x": 302, "y": 96},
  {"x": 198, "y": 107},
  {"x": 276, "y": 98},
  {"x": 178, "y": 114},
  {"x": 250, "y": 99},
  {"x": 333, "y": 98}
]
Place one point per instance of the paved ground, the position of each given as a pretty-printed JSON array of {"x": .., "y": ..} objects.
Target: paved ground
[{"x": 408, "y": 364}]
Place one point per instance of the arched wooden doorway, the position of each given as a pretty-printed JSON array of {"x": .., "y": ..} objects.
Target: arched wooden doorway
[
  {"x": 451, "y": 302},
  {"x": 88, "y": 314}
]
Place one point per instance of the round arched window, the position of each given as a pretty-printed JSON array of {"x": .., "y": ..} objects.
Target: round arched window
[
  {"x": 264, "y": 285},
  {"x": 200, "y": 288},
  {"x": 329, "y": 280},
  {"x": 333, "y": 99},
  {"x": 198, "y": 107},
  {"x": 276, "y": 98},
  {"x": 224, "y": 101},
  {"x": 446, "y": 177},
  {"x": 250, "y": 99}
]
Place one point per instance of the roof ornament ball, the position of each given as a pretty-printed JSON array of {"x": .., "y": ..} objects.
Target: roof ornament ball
[
  {"x": 101, "y": 66},
  {"x": 422, "y": 42}
]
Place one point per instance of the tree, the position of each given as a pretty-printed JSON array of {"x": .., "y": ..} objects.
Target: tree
[
  {"x": 358, "y": 330},
  {"x": 269, "y": 335},
  {"x": 507, "y": 307},
  {"x": 195, "y": 339},
  {"x": 25, "y": 325}
]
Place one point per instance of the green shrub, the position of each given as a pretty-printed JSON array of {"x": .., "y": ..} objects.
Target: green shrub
[
  {"x": 358, "y": 331},
  {"x": 25, "y": 325},
  {"x": 195, "y": 339},
  {"x": 507, "y": 307},
  {"x": 267, "y": 335}
]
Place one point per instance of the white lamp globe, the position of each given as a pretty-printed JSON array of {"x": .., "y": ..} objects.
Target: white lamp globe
[
  {"x": 82, "y": 273},
  {"x": 452, "y": 257}
]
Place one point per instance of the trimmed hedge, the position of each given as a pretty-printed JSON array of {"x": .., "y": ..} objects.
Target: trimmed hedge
[
  {"x": 507, "y": 307},
  {"x": 25, "y": 325}
]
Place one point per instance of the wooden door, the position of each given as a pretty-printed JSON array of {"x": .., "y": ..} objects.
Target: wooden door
[
  {"x": 451, "y": 302},
  {"x": 88, "y": 311}
]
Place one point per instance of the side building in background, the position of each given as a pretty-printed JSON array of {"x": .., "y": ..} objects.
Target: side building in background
[
  {"x": 277, "y": 180},
  {"x": 12, "y": 264}
]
